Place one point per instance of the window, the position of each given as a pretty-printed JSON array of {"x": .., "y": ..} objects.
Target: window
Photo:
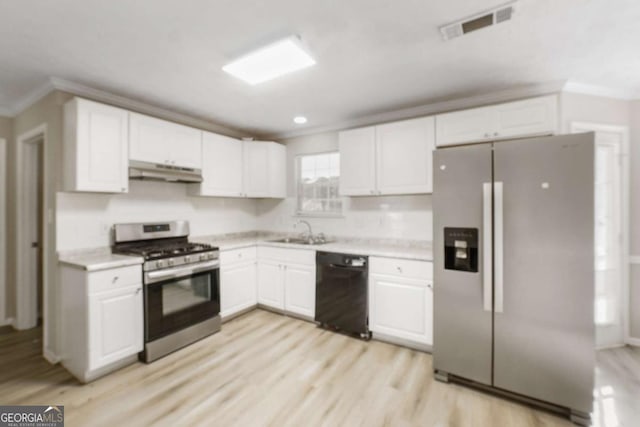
[{"x": 318, "y": 176}]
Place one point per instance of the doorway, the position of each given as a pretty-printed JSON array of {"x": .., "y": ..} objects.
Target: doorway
[
  {"x": 31, "y": 230},
  {"x": 611, "y": 231}
]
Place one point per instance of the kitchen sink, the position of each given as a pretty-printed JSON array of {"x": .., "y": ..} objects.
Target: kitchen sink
[{"x": 299, "y": 241}]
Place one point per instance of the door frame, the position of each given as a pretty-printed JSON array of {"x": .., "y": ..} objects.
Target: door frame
[
  {"x": 3, "y": 232},
  {"x": 579, "y": 126},
  {"x": 26, "y": 294}
]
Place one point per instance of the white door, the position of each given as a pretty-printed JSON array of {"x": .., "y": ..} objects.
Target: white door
[
  {"x": 402, "y": 308},
  {"x": 609, "y": 235},
  {"x": 115, "y": 325},
  {"x": 237, "y": 288},
  {"x": 358, "y": 162},
  {"x": 32, "y": 194},
  {"x": 459, "y": 127},
  {"x": 256, "y": 169},
  {"x": 300, "y": 289},
  {"x": 147, "y": 139},
  {"x": 270, "y": 284},
  {"x": 404, "y": 156},
  {"x": 184, "y": 145},
  {"x": 102, "y": 148},
  {"x": 221, "y": 166},
  {"x": 536, "y": 116}
]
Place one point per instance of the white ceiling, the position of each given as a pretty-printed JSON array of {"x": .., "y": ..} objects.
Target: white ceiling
[{"x": 372, "y": 55}]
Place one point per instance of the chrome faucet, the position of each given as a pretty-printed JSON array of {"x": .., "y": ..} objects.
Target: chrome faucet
[{"x": 301, "y": 221}]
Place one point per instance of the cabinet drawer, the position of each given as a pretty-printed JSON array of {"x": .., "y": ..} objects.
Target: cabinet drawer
[
  {"x": 293, "y": 256},
  {"x": 237, "y": 255},
  {"x": 115, "y": 278},
  {"x": 401, "y": 268}
]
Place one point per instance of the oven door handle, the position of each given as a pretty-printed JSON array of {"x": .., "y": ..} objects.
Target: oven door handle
[{"x": 183, "y": 271}]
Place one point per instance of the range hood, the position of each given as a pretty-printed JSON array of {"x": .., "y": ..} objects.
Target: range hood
[{"x": 159, "y": 172}]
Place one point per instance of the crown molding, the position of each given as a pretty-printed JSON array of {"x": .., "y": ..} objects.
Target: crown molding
[
  {"x": 141, "y": 107},
  {"x": 479, "y": 100},
  {"x": 602, "y": 91},
  {"x": 56, "y": 83}
]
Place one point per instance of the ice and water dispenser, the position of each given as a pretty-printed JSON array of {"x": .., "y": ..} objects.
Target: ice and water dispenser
[{"x": 461, "y": 249}]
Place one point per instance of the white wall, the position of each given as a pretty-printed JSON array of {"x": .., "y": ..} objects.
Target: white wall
[
  {"x": 389, "y": 217},
  {"x": 3, "y": 230},
  {"x": 84, "y": 219},
  {"x": 634, "y": 147}
]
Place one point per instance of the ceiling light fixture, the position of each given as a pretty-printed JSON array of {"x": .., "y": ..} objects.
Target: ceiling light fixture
[
  {"x": 300, "y": 120},
  {"x": 271, "y": 61}
]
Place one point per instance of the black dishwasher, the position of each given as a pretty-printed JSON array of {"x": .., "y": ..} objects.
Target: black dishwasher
[{"x": 341, "y": 292}]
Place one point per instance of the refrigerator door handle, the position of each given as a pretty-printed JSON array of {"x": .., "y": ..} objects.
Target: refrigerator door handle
[
  {"x": 487, "y": 232},
  {"x": 498, "y": 250}
]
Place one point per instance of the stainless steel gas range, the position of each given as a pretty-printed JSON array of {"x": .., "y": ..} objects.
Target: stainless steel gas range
[{"x": 181, "y": 284}]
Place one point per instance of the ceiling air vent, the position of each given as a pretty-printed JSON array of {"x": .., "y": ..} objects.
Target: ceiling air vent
[{"x": 480, "y": 20}]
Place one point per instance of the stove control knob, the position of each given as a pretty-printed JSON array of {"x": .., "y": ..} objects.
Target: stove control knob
[
  {"x": 159, "y": 264},
  {"x": 212, "y": 255},
  {"x": 203, "y": 257},
  {"x": 187, "y": 259},
  {"x": 170, "y": 262}
]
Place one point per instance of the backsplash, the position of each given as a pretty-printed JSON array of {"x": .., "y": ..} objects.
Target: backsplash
[
  {"x": 84, "y": 219},
  {"x": 386, "y": 217}
]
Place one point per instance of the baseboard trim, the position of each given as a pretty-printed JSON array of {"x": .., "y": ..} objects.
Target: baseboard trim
[
  {"x": 232, "y": 316},
  {"x": 633, "y": 341},
  {"x": 402, "y": 342},
  {"x": 50, "y": 356}
]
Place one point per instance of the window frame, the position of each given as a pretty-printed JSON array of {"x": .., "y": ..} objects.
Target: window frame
[{"x": 300, "y": 213}]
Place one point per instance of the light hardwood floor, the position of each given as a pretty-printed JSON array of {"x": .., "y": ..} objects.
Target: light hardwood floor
[{"x": 266, "y": 369}]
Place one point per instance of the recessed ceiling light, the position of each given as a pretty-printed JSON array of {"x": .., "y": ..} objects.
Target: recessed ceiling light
[
  {"x": 300, "y": 120},
  {"x": 271, "y": 61}
]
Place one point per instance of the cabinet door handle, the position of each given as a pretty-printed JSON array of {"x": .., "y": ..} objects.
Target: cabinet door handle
[
  {"x": 495, "y": 134},
  {"x": 373, "y": 192},
  {"x": 429, "y": 285},
  {"x": 138, "y": 291},
  {"x": 486, "y": 135},
  {"x": 399, "y": 269},
  {"x": 115, "y": 279}
]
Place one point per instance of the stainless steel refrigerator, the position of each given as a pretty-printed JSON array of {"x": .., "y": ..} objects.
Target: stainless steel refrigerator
[{"x": 514, "y": 269}]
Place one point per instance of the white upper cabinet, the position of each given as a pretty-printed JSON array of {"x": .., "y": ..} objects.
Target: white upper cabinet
[
  {"x": 264, "y": 169},
  {"x": 404, "y": 152},
  {"x": 233, "y": 168},
  {"x": 162, "y": 142},
  {"x": 529, "y": 117},
  {"x": 357, "y": 162},
  {"x": 95, "y": 147},
  {"x": 393, "y": 158},
  {"x": 221, "y": 167}
]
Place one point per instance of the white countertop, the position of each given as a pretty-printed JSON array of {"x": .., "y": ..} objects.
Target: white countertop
[
  {"x": 102, "y": 258},
  {"x": 97, "y": 259},
  {"x": 422, "y": 252}
]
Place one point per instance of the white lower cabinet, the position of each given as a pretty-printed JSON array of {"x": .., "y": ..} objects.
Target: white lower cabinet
[
  {"x": 270, "y": 284},
  {"x": 238, "y": 281},
  {"x": 401, "y": 299},
  {"x": 287, "y": 280},
  {"x": 300, "y": 289},
  {"x": 116, "y": 325},
  {"x": 102, "y": 319}
]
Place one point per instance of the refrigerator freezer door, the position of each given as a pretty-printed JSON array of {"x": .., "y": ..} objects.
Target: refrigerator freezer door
[
  {"x": 544, "y": 336},
  {"x": 462, "y": 328}
]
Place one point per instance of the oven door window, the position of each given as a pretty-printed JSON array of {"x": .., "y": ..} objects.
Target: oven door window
[
  {"x": 178, "y": 303},
  {"x": 185, "y": 293}
]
